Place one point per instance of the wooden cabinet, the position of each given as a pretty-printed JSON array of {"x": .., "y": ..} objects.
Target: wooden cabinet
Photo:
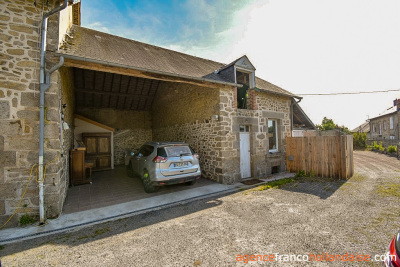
[
  {"x": 78, "y": 168},
  {"x": 98, "y": 150}
]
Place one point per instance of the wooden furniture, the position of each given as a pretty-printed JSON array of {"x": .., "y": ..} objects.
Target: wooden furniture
[
  {"x": 78, "y": 168},
  {"x": 88, "y": 168},
  {"x": 98, "y": 150}
]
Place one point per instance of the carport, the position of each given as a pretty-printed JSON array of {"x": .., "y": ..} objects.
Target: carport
[
  {"x": 125, "y": 103},
  {"x": 143, "y": 93}
]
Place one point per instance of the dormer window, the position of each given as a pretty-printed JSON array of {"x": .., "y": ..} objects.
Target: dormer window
[{"x": 242, "y": 72}]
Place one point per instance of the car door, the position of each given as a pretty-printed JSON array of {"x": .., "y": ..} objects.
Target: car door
[
  {"x": 136, "y": 159},
  {"x": 141, "y": 158}
]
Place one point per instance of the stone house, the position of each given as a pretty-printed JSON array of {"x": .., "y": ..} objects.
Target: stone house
[
  {"x": 234, "y": 120},
  {"x": 385, "y": 127}
]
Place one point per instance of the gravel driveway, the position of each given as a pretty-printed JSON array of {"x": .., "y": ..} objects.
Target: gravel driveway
[{"x": 358, "y": 216}]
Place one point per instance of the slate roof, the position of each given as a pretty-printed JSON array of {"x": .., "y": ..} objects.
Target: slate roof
[
  {"x": 82, "y": 43},
  {"x": 363, "y": 128},
  {"x": 388, "y": 111}
]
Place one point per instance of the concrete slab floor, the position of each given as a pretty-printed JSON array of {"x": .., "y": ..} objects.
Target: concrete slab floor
[
  {"x": 115, "y": 187},
  {"x": 77, "y": 220}
]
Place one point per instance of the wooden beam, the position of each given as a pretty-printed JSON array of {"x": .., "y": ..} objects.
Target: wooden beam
[
  {"x": 109, "y": 93},
  {"x": 131, "y": 72},
  {"x": 93, "y": 122}
]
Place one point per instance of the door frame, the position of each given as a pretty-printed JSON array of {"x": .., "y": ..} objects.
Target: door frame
[{"x": 245, "y": 157}]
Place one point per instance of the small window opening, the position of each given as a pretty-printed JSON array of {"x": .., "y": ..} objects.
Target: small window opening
[
  {"x": 242, "y": 92},
  {"x": 244, "y": 128},
  {"x": 273, "y": 135}
]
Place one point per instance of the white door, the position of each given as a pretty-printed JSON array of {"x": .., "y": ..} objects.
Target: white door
[{"x": 245, "y": 154}]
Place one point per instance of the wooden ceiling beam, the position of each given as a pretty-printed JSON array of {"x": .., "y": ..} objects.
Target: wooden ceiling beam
[{"x": 97, "y": 92}]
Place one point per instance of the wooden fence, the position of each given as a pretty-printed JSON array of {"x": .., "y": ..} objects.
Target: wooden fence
[{"x": 324, "y": 156}]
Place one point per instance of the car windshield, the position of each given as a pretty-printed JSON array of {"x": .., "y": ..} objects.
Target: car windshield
[{"x": 177, "y": 151}]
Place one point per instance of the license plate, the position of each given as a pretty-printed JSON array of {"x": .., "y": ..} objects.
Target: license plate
[{"x": 180, "y": 164}]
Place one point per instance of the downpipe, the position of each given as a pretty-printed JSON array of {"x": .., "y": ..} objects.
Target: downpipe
[{"x": 44, "y": 84}]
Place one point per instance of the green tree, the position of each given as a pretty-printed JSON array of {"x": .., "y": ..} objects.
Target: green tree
[
  {"x": 327, "y": 124},
  {"x": 360, "y": 140}
]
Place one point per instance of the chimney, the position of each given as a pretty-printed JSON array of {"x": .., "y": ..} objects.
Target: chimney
[{"x": 396, "y": 102}]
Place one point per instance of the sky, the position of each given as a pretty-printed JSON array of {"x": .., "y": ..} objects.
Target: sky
[{"x": 303, "y": 46}]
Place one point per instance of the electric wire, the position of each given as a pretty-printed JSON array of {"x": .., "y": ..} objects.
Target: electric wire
[{"x": 351, "y": 93}]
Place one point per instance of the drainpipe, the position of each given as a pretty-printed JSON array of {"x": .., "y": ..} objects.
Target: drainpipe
[{"x": 44, "y": 81}]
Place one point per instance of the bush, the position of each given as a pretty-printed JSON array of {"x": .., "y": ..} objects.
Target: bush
[
  {"x": 360, "y": 140},
  {"x": 377, "y": 146},
  {"x": 392, "y": 149}
]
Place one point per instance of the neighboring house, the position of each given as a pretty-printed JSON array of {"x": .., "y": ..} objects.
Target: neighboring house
[
  {"x": 363, "y": 128},
  {"x": 234, "y": 120},
  {"x": 385, "y": 127}
]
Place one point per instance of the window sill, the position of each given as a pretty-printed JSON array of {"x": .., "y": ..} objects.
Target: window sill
[{"x": 275, "y": 154}]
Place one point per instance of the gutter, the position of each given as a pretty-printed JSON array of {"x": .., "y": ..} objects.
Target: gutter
[
  {"x": 117, "y": 65},
  {"x": 44, "y": 84}
]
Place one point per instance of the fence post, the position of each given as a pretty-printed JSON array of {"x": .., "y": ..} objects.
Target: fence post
[{"x": 397, "y": 150}]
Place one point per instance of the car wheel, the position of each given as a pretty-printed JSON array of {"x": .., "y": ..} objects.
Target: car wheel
[
  {"x": 129, "y": 170},
  {"x": 148, "y": 186},
  {"x": 191, "y": 182}
]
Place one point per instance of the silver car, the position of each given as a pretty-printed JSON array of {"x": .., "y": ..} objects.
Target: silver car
[{"x": 159, "y": 164}]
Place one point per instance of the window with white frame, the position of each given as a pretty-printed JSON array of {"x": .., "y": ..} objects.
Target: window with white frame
[
  {"x": 273, "y": 135},
  {"x": 391, "y": 137},
  {"x": 373, "y": 128},
  {"x": 380, "y": 128},
  {"x": 391, "y": 122}
]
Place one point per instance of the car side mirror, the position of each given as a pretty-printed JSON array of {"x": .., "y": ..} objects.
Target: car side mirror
[{"x": 128, "y": 154}]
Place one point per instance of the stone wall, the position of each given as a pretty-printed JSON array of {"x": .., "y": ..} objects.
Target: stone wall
[
  {"x": 129, "y": 139},
  {"x": 265, "y": 106},
  {"x": 278, "y": 108},
  {"x": 56, "y": 185},
  {"x": 132, "y": 128},
  {"x": 20, "y": 41},
  {"x": 183, "y": 112}
]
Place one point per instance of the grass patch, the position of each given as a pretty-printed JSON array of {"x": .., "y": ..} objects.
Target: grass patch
[
  {"x": 354, "y": 183},
  {"x": 26, "y": 219},
  {"x": 101, "y": 231},
  {"x": 274, "y": 184},
  {"x": 82, "y": 237},
  {"x": 389, "y": 190},
  {"x": 96, "y": 233},
  {"x": 357, "y": 178}
]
